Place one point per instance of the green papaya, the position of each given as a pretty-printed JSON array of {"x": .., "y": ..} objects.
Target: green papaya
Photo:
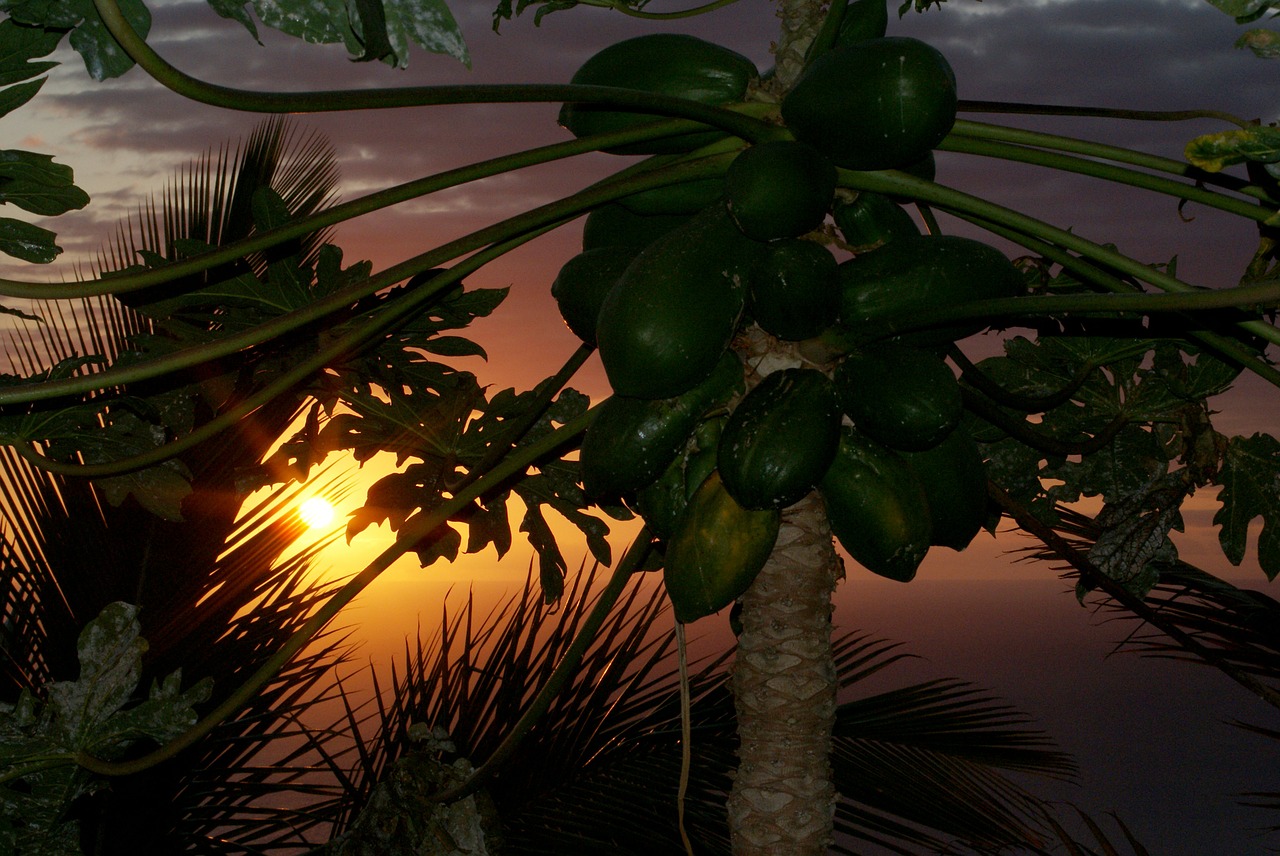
[
  {"x": 673, "y": 312},
  {"x": 863, "y": 19},
  {"x": 716, "y": 552},
  {"x": 622, "y": 230},
  {"x": 877, "y": 104},
  {"x": 794, "y": 292},
  {"x": 666, "y": 64},
  {"x": 912, "y": 274},
  {"x": 632, "y": 440},
  {"x": 663, "y": 503},
  {"x": 877, "y": 507},
  {"x": 581, "y": 285},
  {"x": 955, "y": 482},
  {"x": 902, "y": 397},
  {"x": 871, "y": 220},
  {"x": 681, "y": 200},
  {"x": 780, "y": 439},
  {"x": 779, "y": 189}
]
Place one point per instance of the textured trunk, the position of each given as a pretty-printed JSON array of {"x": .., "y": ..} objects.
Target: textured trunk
[
  {"x": 784, "y": 689},
  {"x": 784, "y": 681}
]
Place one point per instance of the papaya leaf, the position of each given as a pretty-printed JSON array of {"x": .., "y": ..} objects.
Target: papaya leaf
[
  {"x": 427, "y": 23},
  {"x": 1250, "y": 479},
  {"x": 1215, "y": 152},
  {"x": 27, "y": 241},
  {"x": 505, "y": 11},
  {"x": 21, "y": 44},
  {"x": 1243, "y": 10},
  {"x": 103, "y": 57},
  {"x": 1134, "y": 542},
  {"x": 1265, "y": 44},
  {"x": 14, "y": 97},
  {"x": 34, "y": 183},
  {"x": 91, "y": 714}
]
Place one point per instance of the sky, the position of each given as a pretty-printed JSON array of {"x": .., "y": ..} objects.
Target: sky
[{"x": 971, "y": 615}]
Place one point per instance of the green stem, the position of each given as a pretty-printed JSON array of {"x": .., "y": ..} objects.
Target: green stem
[
  {"x": 1029, "y": 109},
  {"x": 413, "y": 531},
  {"x": 1108, "y": 172},
  {"x": 952, "y": 200},
  {"x": 1223, "y": 345},
  {"x": 543, "y": 216},
  {"x": 550, "y": 388},
  {"x": 565, "y": 669},
  {"x": 410, "y": 96},
  {"x": 621, "y": 6},
  {"x": 119, "y": 283},
  {"x": 1089, "y": 148}
]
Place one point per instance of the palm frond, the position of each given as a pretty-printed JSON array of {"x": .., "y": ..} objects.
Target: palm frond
[
  {"x": 599, "y": 774},
  {"x": 1233, "y": 626}
]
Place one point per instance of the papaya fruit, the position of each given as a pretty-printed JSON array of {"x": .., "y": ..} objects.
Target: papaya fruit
[
  {"x": 863, "y": 19},
  {"x": 671, "y": 315},
  {"x": 581, "y": 285},
  {"x": 955, "y": 481},
  {"x": 877, "y": 507},
  {"x": 902, "y": 397},
  {"x": 871, "y": 220},
  {"x": 632, "y": 440},
  {"x": 624, "y": 231},
  {"x": 794, "y": 291},
  {"x": 663, "y": 503},
  {"x": 877, "y": 104},
  {"x": 682, "y": 199},
  {"x": 911, "y": 274},
  {"x": 716, "y": 552},
  {"x": 780, "y": 439},
  {"x": 663, "y": 63},
  {"x": 779, "y": 189}
]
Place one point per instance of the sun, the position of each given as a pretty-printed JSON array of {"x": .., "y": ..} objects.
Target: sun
[{"x": 317, "y": 512}]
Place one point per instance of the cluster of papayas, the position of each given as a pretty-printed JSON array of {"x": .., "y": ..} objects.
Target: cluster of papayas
[{"x": 664, "y": 287}]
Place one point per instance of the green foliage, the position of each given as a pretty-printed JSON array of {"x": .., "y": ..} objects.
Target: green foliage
[
  {"x": 1214, "y": 152},
  {"x": 1123, "y": 419},
  {"x": 103, "y": 57},
  {"x": 30, "y": 181},
  {"x": 369, "y": 29},
  {"x": 1265, "y": 44},
  {"x": 96, "y": 714},
  {"x": 1244, "y": 11},
  {"x": 1250, "y": 469}
]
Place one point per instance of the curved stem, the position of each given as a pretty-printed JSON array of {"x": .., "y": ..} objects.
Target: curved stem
[
  {"x": 952, "y": 200},
  {"x": 1030, "y": 109},
  {"x": 1108, "y": 172},
  {"x": 1225, "y": 346},
  {"x": 973, "y": 376},
  {"x": 409, "y": 96},
  {"x": 283, "y": 382},
  {"x": 1090, "y": 148},
  {"x": 541, "y": 703},
  {"x": 622, "y": 7},
  {"x": 543, "y": 216},
  {"x": 414, "y": 530},
  {"x": 985, "y": 409},
  {"x": 119, "y": 283}
]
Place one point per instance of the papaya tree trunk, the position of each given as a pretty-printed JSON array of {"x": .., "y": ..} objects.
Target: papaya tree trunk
[
  {"x": 784, "y": 680},
  {"x": 784, "y": 687}
]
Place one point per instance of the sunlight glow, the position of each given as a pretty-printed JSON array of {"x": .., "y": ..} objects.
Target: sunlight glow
[{"x": 317, "y": 512}]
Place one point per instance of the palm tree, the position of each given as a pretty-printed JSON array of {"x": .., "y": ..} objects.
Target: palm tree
[{"x": 71, "y": 546}]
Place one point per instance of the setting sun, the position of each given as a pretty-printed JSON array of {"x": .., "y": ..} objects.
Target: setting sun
[{"x": 317, "y": 512}]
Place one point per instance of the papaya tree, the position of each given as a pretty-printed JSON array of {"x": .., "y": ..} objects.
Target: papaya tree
[{"x": 782, "y": 321}]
